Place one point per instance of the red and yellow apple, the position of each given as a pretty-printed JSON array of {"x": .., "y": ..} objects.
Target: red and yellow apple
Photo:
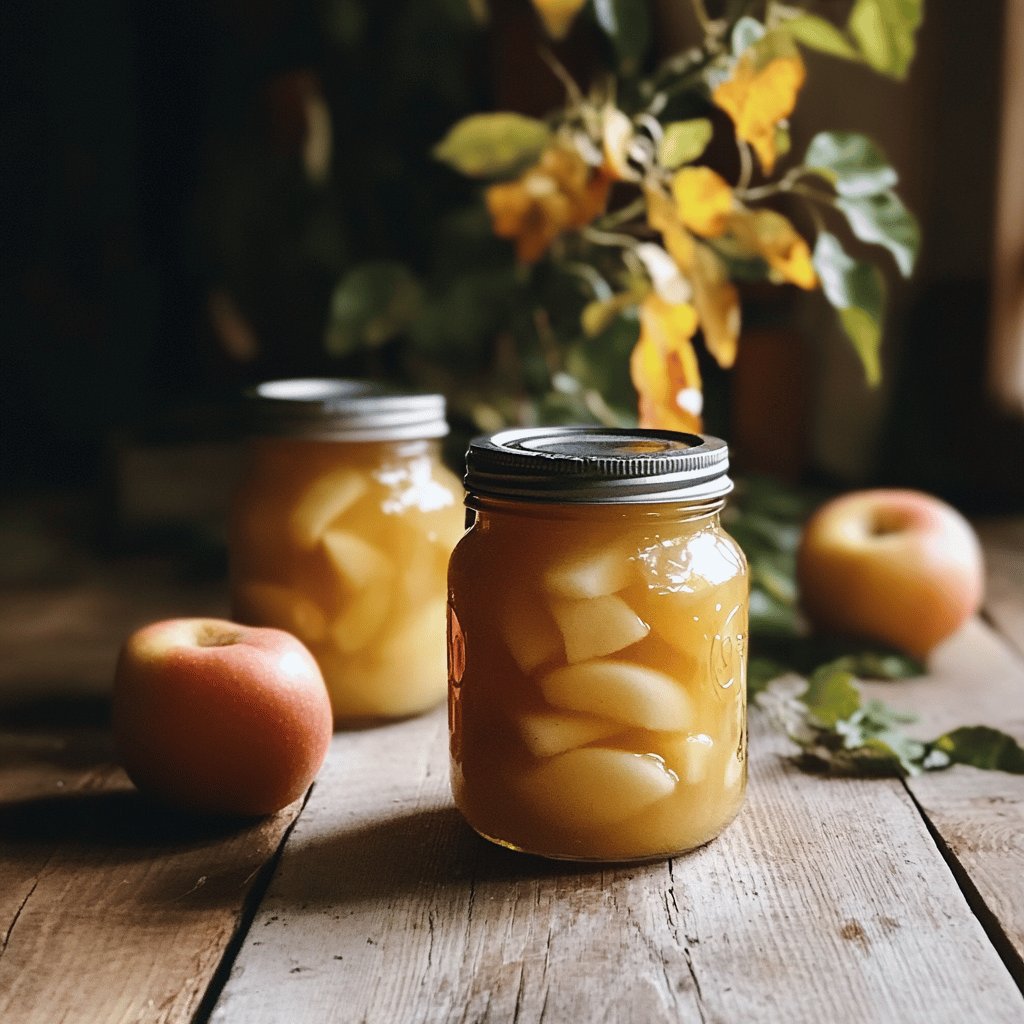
[
  {"x": 896, "y": 566},
  {"x": 215, "y": 717}
]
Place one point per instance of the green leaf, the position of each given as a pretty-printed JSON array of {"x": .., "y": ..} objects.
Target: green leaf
[
  {"x": 852, "y": 164},
  {"x": 887, "y": 752},
  {"x": 821, "y": 35},
  {"x": 884, "y": 33},
  {"x": 783, "y": 140},
  {"x": 762, "y": 531},
  {"x": 746, "y": 32},
  {"x": 627, "y": 23},
  {"x": 880, "y": 665},
  {"x": 371, "y": 305},
  {"x": 982, "y": 747},
  {"x": 459, "y": 320},
  {"x": 831, "y": 696},
  {"x": 683, "y": 142},
  {"x": 769, "y": 497},
  {"x": 884, "y": 220},
  {"x": 773, "y": 46},
  {"x": 857, "y": 291},
  {"x": 770, "y": 617},
  {"x": 865, "y": 334},
  {"x": 597, "y": 361},
  {"x": 880, "y": 717},
  {"x": 492, "y": 145},
  {"x": 598, "y": 316},
  {"x": 760, "y": 672}
]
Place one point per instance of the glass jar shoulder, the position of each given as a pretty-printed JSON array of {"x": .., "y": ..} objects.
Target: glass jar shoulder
[{"x": 662, "y": 550}]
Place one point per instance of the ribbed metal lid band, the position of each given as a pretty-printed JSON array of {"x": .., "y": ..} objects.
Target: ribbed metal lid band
[
  {"x": 598, "y": 465},
  {"x": 345, "y": 410}
]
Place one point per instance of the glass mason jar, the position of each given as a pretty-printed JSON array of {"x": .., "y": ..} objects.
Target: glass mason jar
[
  {"x": 597, "y": 619},
  {"x": 341, "y": 532}
]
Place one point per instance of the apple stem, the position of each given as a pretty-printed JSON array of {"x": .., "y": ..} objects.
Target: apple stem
[{"x": 212, "y": 636}]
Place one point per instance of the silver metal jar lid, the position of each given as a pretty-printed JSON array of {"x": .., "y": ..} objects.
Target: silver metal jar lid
[
  {"x": 597, "y": 465},
  {"x": 335, "y": 409}
]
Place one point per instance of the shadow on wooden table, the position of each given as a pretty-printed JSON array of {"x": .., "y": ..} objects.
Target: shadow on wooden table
[
  {"x": 118, "y": 821},
  {"x": 63, "y": 742},
  {"x": 430, "y": 849}
]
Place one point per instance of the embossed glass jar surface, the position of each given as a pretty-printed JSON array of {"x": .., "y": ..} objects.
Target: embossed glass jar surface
[
  {"x": 341, "y": 533},
  {"x": 597, "y": 654}
]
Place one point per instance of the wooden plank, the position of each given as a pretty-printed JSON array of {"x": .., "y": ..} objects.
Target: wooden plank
[
  {"x": 1003, "y": 541},
  {"x": 975, "y": 679},
  {"x": 62, "y": 639},
  {"x": 827, "y": 899},
  {"x": 111, "y": 909}
]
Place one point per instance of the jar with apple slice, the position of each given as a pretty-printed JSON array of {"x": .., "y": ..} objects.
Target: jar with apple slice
[
  {"x": 597, "y": 701},
  {"x": 341, "y": 532}
]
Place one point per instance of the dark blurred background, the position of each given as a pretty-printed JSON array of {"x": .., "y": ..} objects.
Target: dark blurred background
[{"x": 184, "y": 184}]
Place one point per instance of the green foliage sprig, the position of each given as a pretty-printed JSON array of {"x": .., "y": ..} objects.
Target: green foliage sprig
[{"x": 808, "y": 685}]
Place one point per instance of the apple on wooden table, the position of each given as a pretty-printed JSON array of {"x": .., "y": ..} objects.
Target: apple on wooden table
[
  {"x": 214, "y": 717},
  {"x": 898, "y": 566}
]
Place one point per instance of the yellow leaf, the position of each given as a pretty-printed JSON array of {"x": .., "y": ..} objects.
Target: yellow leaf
[
  {"x": 718, "y": 306},
  {"x": 662, "y": 216},
  {"x": 558, "y": 15},
  {"x": 775, "y": 238},
  {"x": 716, "y": 300},
  {"x": 559, "y": 193},
  {"x": 703, "y": 200},
  {"x": 663, "y": 367},
  {"x": 757, "y": 99},
  {"x": 671, "y": 324},
  {"x": 599, "y": 315}
]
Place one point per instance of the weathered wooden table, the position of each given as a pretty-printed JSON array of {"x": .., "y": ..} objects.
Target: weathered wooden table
[{"x": 828, "y": 900}]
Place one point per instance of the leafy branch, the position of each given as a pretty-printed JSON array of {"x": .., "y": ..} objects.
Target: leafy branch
[
  {"x": 808, "y": 685},
  {"x": 837, "y": 731},
  {"x": 620, "y": 179}
]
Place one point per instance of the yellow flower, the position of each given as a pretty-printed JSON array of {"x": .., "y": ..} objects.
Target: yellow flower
[
  {"x": 663, "y": 367},
  {"x": 558, "y": 15},
  {"x": 558, "y": 194},
  {"x": 775, "y": 238},
  {"x": 703, "y": 200},
  {"x": 757, "y": 99}
]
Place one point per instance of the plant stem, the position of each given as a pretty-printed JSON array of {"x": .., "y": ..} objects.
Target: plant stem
[
  {"x": 814, "y": 194},
  {"x": 627, "y": 213},
  {"x": 746, "y": 165},
  {"x": 559, "y": 71},
  {"x": 599, "y": 287},
  {"x": 701, "y": 12},
  {"x": 598, "y": 237},
  {"x": 600, "y": 409},
  {"x": 773, "y": 188},
  {"x": 549, "y": 347}
]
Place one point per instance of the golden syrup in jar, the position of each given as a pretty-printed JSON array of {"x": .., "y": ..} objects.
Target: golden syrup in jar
[
  {"x": 341, "y": 533},
  {"x": 597, "y": 645}
]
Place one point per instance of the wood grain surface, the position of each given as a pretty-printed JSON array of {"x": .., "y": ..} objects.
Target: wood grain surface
[
  {"x": 978, "y": 816},
  {"x": 827, "y": 899},
  {"x": 110, "y": 909},
  {"x": 1003, "y": 542}
]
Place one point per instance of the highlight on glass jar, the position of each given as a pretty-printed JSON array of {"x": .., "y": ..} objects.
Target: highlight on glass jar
[
  {"x": 597, "y": 694},
  {"x": 341, "y": 532}
]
